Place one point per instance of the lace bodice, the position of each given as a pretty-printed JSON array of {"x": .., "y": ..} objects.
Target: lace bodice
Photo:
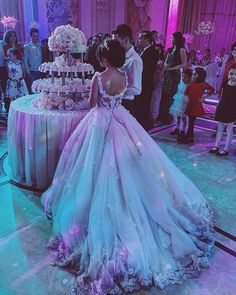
[{"x": 106, "y": 100}]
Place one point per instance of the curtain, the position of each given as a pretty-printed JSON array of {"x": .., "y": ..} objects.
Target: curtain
[
  {"x": 13, "y": 8},
  {"x": 221, "y": 12}
]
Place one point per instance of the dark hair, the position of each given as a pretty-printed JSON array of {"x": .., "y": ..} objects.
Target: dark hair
[
  {"x": 13, "y": 51},
  {"x": 123, "y": 31},
  {"x": 89, "y": 40},
  {"x": 208, "y": 49},
  {"x": 201, "y": 73},
  {"x": 233, "y": 67},
  {"x": 33, "y": 30},
  {"x": 179, "y": 40},
  {"x": 105, "y": 36},
  {"x": 233, "y": 46},
  {"x": 187, "y": 72},
  {"x": 113, "y": 51},
  {"x": 44, "y": 41},
  {"x": 147, "y": 35},
  {"x": 154, "y": 32},
  {"x": 7, "y": 36}
]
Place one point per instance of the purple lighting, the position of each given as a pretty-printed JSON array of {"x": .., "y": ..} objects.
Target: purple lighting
[{"x": 172, "y": 21}]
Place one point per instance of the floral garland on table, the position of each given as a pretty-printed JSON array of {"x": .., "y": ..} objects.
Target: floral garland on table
[
  {"x": 9, "y": 22},
  {"x": 60, "y": 103},
  {"x": 67, "y": 39},
  {"x": 205, "y": 28}
]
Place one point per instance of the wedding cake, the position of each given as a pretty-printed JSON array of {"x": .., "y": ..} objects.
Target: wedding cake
[{"x": 67, "y": 87}]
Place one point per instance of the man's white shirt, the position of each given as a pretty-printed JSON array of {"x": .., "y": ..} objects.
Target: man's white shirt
[{"x": 133, "y": 67}]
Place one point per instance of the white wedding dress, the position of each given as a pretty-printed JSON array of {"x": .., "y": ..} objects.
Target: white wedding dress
[{"x": 124, "y": 217}]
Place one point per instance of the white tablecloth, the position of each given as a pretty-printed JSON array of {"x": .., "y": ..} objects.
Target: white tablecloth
[{"x": 36, "y": 139}]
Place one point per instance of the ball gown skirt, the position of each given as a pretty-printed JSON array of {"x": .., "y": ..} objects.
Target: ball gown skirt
[{"x": 124, "y": 217}]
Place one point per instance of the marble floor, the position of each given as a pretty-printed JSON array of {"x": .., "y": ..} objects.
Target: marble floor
[{"x": 24, "y": 231}]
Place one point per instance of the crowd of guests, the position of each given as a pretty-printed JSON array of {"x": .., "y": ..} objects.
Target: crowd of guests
[
  {"x": 167, "y": 86},
  {"x": 19, "y": 64},
  {"x": 162, "y": 86}
]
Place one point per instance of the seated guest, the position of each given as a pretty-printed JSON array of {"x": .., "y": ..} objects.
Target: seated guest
[
  {"x": 10, "y": 41},
  {"x": 193, "y": 60},
  {"x": 16, "y": 86},
  {"x": 150, "y": 58},
  {"x": 207, "y": 58},
  {"x": 33, "y": 56}
]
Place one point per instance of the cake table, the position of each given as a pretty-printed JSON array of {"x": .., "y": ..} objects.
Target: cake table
[{"x": 36, "y": 138}]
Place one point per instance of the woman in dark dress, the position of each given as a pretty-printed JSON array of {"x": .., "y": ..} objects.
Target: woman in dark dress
[
  {"x": 175, "y": 60},
  {"x": 226, "y": 113}
]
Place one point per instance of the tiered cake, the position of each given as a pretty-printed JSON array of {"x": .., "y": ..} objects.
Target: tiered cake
[{"x": 67, "y": 87}]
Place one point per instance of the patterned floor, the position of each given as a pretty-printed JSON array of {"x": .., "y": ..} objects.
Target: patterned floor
[{"x": 24, "y": 231}]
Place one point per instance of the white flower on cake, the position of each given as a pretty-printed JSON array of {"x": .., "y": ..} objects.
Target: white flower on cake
[
  {"x": 69, "y": 104},
  {"x": 67, "y": 38}
]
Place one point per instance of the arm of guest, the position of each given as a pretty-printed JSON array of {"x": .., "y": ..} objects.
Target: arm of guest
[
  {"x": 23, "y": 70},
  {"x": 26, "y": 58},
  {"x": 93, "y": 95},
  {"x": 209, "y": 88},
  {"x": 183, "y": 57}
]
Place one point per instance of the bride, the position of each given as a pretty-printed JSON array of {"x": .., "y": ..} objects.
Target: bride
[{"x": 123, "y": 216}]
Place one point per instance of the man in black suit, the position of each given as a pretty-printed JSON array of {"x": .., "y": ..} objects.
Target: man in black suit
[{"x": 150, "y": 58}]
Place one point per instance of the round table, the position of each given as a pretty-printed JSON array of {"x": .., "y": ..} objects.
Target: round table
[{"x": 36, "y": 138}]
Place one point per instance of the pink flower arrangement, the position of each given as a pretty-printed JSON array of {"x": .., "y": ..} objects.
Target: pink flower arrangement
[
  {"x": 9, "y": 21},
  {"x": 67, "y": 38}
]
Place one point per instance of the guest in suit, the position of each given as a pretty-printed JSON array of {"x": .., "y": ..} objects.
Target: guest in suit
[
  {"x": 33, "y": 57},
  {"x": 133, "y": 66},
  {"x": 150, "y": 58},
  {"x": 158, "y": 46}
]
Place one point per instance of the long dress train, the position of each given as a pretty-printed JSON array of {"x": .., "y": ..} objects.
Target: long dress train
[{"x": 124, "y": 217}]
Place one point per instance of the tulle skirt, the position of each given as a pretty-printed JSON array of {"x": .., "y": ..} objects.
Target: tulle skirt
[{"x": 123, "y": 216}]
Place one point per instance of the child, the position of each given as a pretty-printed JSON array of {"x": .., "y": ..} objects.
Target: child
[
  {"x": 16, "y": 86},
  {"x": 194, "y": 93},
  {"x": 179, "y": 105},
  {"x": 226, "y": 113}
]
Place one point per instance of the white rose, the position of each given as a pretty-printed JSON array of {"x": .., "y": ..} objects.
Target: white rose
[{"x": 69, "y": 104}]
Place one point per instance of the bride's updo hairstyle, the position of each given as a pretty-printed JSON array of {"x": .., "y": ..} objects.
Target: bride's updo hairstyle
[{"x": 113, "y": 52}]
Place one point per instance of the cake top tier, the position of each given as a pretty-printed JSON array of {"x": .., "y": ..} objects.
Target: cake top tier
[{"x": 67, "y": 39}]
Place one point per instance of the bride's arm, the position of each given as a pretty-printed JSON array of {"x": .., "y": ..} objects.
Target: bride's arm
[{"x": 93, "y": 95}]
